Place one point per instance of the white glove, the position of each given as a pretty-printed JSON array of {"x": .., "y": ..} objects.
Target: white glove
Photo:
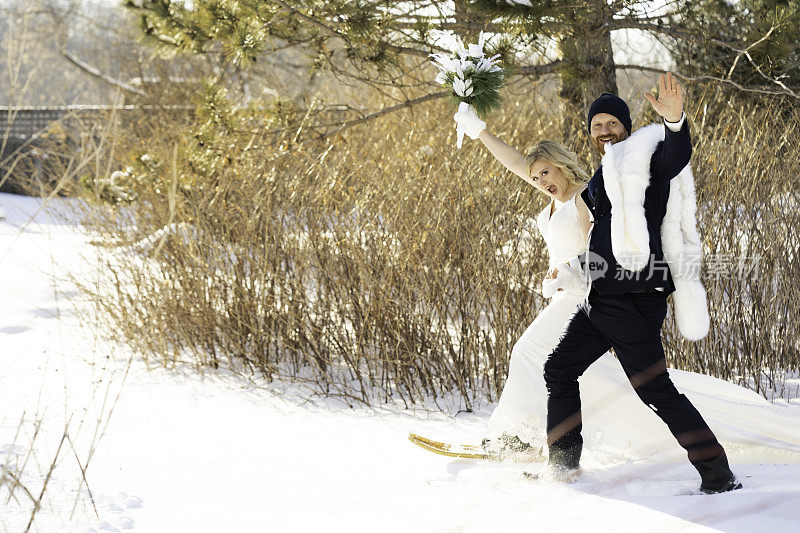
[
  {"x": 570, "y": 276},
  {"x": 468, "y": 121}
]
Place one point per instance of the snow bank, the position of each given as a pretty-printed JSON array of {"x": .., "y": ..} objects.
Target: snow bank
[{"x": 184, "y": 451}]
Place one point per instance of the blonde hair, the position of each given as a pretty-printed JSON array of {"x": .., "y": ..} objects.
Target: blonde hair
[{"x": 561, "y": 157}]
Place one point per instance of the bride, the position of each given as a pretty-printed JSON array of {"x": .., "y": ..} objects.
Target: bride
[{"x": 615, "y": 421}]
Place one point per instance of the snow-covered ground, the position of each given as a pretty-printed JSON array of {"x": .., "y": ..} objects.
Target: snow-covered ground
[{"x": 177, "y": 450}]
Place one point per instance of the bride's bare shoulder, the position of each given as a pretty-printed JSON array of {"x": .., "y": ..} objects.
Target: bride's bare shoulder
[
  {"x": 578, "y": 198},
  {"x": 584, "y": 216}
]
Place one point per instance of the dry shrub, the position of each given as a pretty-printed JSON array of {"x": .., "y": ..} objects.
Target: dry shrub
[
  {"x": 377, "y": 262},
  {"x": 40, "y": 459},
  {"x": 380, "y": 262},
  {"x": 34, "y": 166},
  {"x": 747, "y": 163}
]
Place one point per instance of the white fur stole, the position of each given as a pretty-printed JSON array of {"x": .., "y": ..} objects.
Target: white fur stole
[{"x": 626, "y": 174}]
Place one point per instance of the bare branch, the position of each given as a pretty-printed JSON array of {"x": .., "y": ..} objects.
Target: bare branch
[
  {"x": 99, "y": 75},
  {"x": 633, "y": 24},
  {"x": 533, "y": 70},
  {"x": 538, "y": 70},
  {"x": 776, "y": 81},
  {"x": 747, "y": 50},
  {"x": 739, "y": 86},
  {"x": 392, "y": 109},
  {"x": 366, "y": 118}
]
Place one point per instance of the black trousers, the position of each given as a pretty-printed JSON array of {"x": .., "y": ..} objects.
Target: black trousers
[{"x": 631, "y": 324}]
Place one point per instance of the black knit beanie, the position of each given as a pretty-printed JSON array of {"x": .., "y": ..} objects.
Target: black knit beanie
[{"x": 613, "y": 105}]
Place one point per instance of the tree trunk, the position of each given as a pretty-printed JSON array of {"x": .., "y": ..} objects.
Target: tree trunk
[{"x": 588, "y": 70}]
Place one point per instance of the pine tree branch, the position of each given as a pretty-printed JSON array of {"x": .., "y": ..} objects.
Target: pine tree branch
[
  {"x": 94, "y": 72},
  {"x": 534, "y": 70},
  {"x": 346, "y": 39},
  {"x": 528, "y": 71},
  {"x": 450, "y": 26}
]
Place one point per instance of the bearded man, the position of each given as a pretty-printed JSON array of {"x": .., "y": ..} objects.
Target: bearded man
[{"x": 642, "y": 237}]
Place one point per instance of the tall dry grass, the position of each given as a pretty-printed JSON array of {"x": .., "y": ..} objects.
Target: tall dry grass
[
  {"x": 44, "y": 463},
  {"x": 381, "y": 262},
  {"x": 747, "y": 165}
]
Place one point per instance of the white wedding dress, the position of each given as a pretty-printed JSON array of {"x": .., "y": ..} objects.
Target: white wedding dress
[{"x": 615, "y": 421}]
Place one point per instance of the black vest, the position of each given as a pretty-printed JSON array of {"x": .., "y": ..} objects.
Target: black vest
[{"x": 668, "y": 159}]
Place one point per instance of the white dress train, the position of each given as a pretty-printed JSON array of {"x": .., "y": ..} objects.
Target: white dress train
[{"x": 615, "y": 421}]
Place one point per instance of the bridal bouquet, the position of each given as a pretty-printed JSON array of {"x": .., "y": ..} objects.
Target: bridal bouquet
[{"x": 473, "y": 78}]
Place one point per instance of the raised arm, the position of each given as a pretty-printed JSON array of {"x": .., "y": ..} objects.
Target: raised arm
[
  {"x": 510, "y": 158},
  {"x": 676, "y": 151}
]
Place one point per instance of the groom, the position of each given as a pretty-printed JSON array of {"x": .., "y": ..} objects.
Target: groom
[{"x": 627, "y": 301}]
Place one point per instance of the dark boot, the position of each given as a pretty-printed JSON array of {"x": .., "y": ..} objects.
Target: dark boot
[
  {"x": 565, "y": 458},
  {"x": 716, "y": 475},
  {"x": 563, "y": 465}
]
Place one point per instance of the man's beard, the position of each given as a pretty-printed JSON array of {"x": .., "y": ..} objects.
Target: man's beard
[{"x": 600, "y": 146}]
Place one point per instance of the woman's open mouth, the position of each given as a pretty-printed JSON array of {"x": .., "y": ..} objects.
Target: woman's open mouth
[{"x": 552, "y": 190}]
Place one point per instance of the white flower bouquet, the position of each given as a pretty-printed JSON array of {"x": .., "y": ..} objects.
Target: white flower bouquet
[{"x": 473, "y": 78}]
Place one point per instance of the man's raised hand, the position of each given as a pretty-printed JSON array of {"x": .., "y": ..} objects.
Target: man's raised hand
[{"x": 670, "y": 98}]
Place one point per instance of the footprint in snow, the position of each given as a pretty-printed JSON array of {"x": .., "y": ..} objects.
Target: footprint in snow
[{"x": 114, "y": 512}]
